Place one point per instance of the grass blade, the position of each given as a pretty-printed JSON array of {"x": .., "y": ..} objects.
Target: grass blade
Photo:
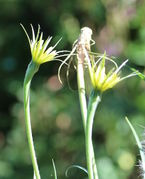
[
  {"x": 75, "y": 166},
  {"x": 54, "y": 168},
  {"x": 141, "y": 150}
]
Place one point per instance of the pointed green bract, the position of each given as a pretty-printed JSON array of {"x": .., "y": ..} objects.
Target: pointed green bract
[
  {"x": 103, "y": 81},
  {"x": 40, "y": 51}
]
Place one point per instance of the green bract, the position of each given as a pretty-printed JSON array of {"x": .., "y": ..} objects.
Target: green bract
[
  {"x": 101, "y": 80},
  {"x": 40, "y": 51}
]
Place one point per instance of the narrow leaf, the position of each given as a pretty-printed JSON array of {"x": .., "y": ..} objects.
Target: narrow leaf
[
  {"x": 141, "y": 75},
  {"x": 75, "y": 166},
  {"x": 142, "y": 155},
  {"x": 54, "y": 168}
]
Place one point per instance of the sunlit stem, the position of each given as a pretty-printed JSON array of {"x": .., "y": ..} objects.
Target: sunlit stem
[
  {"x": 94, "y": 166},
  {"x": 83, "y": 105},
  {"x": 83, "y": 46},
  {"x": 82, "y": 93},
  {"x": 94, "y": 100},
  {"x": 54, "y": 168},
  {"x": 31, "y": 70}
]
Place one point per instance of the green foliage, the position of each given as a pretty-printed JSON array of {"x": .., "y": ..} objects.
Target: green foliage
[
  {"x": 75, "y": 166},
  {"x": 140, "y": 147},
  {"x": 54, "y": 168},
  {"x": 58, "y": 131}
]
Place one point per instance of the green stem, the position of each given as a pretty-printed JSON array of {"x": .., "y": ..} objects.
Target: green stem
[
  {"x": 83, "y": 105},
  {"x": 31, "y": 70},
  {"x": 95, "y": 98},
  {"x": 81, "y": 90},
  {"x": 83, "y": 46}
]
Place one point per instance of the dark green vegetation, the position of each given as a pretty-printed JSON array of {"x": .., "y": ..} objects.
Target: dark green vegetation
[{"x": 119, "y": 28}]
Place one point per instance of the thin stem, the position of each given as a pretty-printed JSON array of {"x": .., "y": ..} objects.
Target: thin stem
[
  {"x": 82, "y": 94},
  {"x": 82, "y": 43},
  {"x": 83, "y": 105},
  {"x": 83, "y": 46},
  {"x": 31, "y": 70},
  {"x": 93, "y": 104}
]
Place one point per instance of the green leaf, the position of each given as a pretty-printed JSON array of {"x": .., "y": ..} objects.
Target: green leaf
[
  {"x": 75, "y": 166},
  {"x": 141, "y": 150},
  {"x": 141, "y": 75},
  {"x": 54, "y": 168}
]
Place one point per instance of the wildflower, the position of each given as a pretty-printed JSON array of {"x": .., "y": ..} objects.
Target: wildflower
[
  {"x": 40, "y": 51},
  {"x": 102, "y": 81}
]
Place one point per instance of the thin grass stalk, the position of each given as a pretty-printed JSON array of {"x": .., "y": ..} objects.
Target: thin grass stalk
[{"x": 139, "y": 144}]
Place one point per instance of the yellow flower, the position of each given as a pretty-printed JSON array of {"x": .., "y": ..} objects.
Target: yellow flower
[
  {"x": 40, "y": 51},
  {"x": 102, "y": 81}
]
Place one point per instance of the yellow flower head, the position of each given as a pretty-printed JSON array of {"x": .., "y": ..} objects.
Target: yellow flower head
[
  {"x": 40, "y": 51},
  {"x": 102, "y": 81}
]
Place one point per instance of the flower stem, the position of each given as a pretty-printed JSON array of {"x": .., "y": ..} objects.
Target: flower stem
[
  {"x": 31, "y": 70},
  {"x": 83, "y": 105},
  {"x": 82, "y": 94},
  {"x": 83, "y": 46},
  {"x": 95, "y": 98}
]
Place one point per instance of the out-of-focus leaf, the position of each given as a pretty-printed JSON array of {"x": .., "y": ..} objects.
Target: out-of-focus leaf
[{"x": 141, "y": 75}]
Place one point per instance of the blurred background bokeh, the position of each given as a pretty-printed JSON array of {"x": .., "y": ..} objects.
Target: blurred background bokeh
[{"x": 119, "y": 29}]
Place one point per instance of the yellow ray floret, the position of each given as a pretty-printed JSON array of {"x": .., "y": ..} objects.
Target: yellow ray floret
[
  {"x": 40, "y": 51},
  {"x": 101, "y": 80}
]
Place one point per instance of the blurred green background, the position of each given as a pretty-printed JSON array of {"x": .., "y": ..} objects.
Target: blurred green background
[{"x": 119, "y": 28}]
